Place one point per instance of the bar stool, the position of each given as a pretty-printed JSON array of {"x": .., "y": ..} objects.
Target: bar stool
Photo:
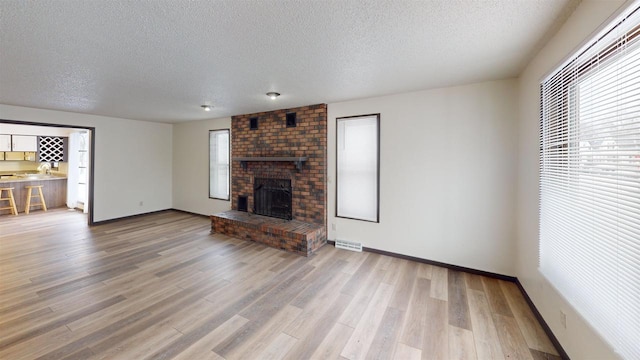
[
  {"x": 10, "y": 199},
  {"x": 28, "y": 206}
]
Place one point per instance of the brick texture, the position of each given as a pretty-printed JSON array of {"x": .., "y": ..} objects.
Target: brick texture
[{"x": 293, "y": 236}]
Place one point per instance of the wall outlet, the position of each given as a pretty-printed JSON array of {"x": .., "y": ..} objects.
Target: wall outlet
[
  {"x": 333, "y": 227},
  {"x": 563, "y": 319},
  {"x": 141, "y": 203}
]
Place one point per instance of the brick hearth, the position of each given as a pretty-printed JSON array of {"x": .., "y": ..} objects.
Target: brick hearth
[
  {"x": 273, "y": 138},
  {"x": 290, "y": 235}
]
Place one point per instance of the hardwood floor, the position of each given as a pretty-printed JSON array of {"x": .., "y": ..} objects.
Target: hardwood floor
[{"x": 161, "y": 287}]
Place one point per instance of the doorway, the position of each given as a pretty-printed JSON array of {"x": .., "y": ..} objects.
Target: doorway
[{"x": 76, "y": 166}]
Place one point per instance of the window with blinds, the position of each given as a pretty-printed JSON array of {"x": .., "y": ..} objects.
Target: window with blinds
[
  {"x": 590, "y": 182},
  {"x": 219, "y": 164},
  {"x": 357, "y": 179}
]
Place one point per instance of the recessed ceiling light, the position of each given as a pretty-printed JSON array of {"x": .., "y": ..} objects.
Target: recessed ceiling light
[
  {"x": 206, "y": 107},
  {"x": 273, "y": 95}
]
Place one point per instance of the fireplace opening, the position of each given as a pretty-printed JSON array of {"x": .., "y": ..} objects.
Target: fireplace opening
[{"x": 272, "y": 197}]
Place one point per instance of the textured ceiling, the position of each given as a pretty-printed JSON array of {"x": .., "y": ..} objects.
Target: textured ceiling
[{"x": 159, "y": 60}]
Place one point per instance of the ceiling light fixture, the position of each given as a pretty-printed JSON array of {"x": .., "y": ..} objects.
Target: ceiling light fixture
[
  {"x": 273, "y": 95},
  {"x": 206, "y": 107}
]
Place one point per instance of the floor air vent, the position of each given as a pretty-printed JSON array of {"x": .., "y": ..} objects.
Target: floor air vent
[{"x": 349, "y": 245}]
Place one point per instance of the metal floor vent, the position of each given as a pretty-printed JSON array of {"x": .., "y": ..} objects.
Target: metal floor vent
[{"x": 349, "y": 245}]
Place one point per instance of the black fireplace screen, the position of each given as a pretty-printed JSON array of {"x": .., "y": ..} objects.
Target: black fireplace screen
[{"x": 272, "y": 197}]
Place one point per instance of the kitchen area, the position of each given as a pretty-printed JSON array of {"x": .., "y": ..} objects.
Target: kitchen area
[{"x": 55, "y": 158}]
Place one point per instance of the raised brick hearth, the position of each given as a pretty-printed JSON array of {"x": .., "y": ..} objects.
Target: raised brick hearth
[
  {"x": 290, "y": 235},
  {"x": 274, "y": 135}
]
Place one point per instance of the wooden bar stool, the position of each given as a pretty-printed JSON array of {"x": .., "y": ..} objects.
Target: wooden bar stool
[
  {"x": 29, "y": 196},
  {"x": 10, "y": 199}
]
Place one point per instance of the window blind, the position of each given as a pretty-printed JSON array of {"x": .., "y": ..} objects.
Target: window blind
[
  {"x": 219, "y": 164},
  {"x": 357, "y": 171},
  {"x": 590, "y": 182}
]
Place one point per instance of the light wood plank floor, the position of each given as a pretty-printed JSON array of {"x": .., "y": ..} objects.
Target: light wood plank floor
[{"x": 161, "y": 287}]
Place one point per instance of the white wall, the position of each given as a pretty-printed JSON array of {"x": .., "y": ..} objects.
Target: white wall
[
  {"x": 133, "y": 160},
  {"x": 447, "y": 175},
  {"x": 15, "y": 129},
  {"x": 578, "y": 339},
  {"x": 191, "y": 166}
]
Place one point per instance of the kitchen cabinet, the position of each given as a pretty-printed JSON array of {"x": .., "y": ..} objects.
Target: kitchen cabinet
[
  {"x": 18, "y": 147},
  {"x": 19, "y": 156},
  {"x": 24, "y": 143},
  {"x": 5, "y": 142}
]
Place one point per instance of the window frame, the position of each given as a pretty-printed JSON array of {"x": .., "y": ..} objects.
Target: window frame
[
  {"x": 377, "y": 115},
  {"x": 228, "y": 131}
]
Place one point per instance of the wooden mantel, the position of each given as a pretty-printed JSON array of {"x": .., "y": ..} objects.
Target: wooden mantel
[{"x": 298, "y": 160}]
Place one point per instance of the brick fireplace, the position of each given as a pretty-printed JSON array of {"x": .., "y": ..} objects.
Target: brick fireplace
[{"x": 288, "y": 146}]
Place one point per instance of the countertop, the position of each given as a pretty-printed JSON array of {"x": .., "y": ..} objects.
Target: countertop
[{"x": 23, "y": 178}]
